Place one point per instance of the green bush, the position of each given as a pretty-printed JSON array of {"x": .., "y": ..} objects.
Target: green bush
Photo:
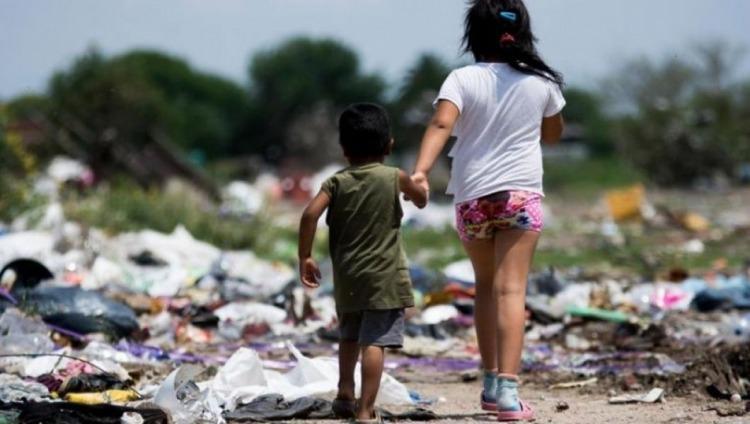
[
  {"x": 123, "y": 208},
  {"x": 16, "y": 198}
]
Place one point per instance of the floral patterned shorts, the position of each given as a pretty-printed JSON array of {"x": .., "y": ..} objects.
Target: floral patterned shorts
[{"x": 507, "y": 210}]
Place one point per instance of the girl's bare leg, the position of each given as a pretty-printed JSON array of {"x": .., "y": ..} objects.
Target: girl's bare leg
[
  {"x": 482, "y": 255},
  {"x": 514, "y": 251}
]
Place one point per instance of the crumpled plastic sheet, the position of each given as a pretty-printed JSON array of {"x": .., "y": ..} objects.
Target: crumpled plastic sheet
[
  {"x": 541, "y": 357},
  {"x": 243, "y": 378},
  {"x": 178, "y": 260},
  {"x": 461, "y": 271},
  {"x": 26, "y": 244},
  {"x": 15, "y": 389},
  {"x": 434, "y": 215},
  {"x": 726, "y": 298},
  {"x": 22, "y": 334},
  {"x": 154, "y": 353},
  {"x": 242, "y": 275},
  {"x": 185, "y": 257},
  {"x": 242, "y": 198},
  {"x": 235, "y": 316},
  {"x": 35, "y": 367}
]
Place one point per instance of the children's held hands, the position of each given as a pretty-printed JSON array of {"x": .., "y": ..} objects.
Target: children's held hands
[
  {"x": 420, "y": 178},
  {"x": 309, "y": 273},
  {"x": 413, "y": 192}
]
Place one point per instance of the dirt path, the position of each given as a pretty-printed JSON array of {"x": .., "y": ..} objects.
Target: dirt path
[
  {"x": 583, "y": 408},
  {"x": 460, "y": 406}
]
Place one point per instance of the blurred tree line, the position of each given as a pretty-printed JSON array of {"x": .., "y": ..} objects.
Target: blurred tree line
[
  {"x": 687, "y": 118},
  {"x": 679, "y": 120}
]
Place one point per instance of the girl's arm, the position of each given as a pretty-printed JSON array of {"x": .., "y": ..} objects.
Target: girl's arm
[
  {"x": 438, "y": 132},
  {"x": 308, "y": 268},
  {"x": 412, "y": 190},
  {"x": 552, "y": 128}
]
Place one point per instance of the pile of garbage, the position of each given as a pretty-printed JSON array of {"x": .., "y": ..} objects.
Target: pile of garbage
[
  {"x": 166, "y": 325},
  {"x": 148, "y": 327},
  {"x": 112, "y": 331}
]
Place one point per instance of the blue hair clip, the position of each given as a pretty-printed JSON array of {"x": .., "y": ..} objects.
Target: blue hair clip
[{"x": 511, "y": 16}]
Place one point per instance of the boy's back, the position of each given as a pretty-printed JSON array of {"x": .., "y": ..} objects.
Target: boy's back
[
  {"x": 370, "y": 276},
  {"x": 364, "y": 217}
]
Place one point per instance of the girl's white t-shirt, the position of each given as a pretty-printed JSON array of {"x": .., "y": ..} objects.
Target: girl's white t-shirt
[{"x": 498, "y": 145}]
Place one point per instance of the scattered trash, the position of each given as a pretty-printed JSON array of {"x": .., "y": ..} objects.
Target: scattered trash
[
  {"x": 91, "y": 320},
  {"x": 15, "y": 389},
  {"x": 732, "y": 410},
  {"x": 600, "y": 314},
  {"x": 575, "y": 384},
  {"x": 107, "y": 397},
  {"x": 66, "y": 413},
  {"x": 694, "y": 222},
  {"x": 655, "y": 395},
  {"x": 626, "y": 203},
  {"x": 273, "y": 408}
]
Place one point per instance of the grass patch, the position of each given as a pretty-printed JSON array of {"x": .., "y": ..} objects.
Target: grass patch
[
  {"x": 432, "y": 248},
  {"x": 590, "y": 176},
  {"x": 17, "y": 197},
  {"x": 124, "y": 208}
]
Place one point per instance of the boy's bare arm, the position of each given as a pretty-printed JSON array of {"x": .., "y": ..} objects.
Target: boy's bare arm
[
  {"x": 308, "y": 268},
  {"x": 413, "y": 191}
]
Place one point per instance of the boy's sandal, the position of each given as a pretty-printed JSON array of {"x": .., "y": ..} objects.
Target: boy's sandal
[
  {"x": 377, "y": 420},
  {"x": 344, "y": 408},
  {"x": 525, "y": 414}
]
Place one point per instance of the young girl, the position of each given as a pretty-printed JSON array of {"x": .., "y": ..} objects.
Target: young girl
[{"x": 499, "y": 109}]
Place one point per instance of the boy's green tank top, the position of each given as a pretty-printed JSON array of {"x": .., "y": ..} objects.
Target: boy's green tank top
[{"x": 364, "y": 220}]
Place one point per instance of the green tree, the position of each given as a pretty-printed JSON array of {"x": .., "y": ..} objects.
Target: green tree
[
  {"x": 17, "y": 118},
  {"x": 100, "y": 107},
  {"x": 685, "y": 120},
  {"x": 204, "y": 112},
  {"x": 293, "y": 83},
  {"x": 412, "y": 107},
  {"x": 586, "y": 109},
  {"x": 129, "y": 98}
]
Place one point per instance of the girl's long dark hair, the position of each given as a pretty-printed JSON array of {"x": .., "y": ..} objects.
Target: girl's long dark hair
[{"x": 500, "y": 31}]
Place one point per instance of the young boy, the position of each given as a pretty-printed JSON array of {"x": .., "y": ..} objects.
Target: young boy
[{"x": 371, "y": 279}]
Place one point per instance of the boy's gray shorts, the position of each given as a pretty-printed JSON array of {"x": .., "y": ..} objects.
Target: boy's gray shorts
[{"x": 384, "y": 328}]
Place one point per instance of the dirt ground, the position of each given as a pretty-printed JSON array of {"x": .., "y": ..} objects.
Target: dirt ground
[{"x": 459, "y": 405}]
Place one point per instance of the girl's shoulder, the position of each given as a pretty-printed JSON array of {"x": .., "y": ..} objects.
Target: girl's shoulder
[
  {"x": 471, "y": 69},
  {"x": 487, "y": 70}
]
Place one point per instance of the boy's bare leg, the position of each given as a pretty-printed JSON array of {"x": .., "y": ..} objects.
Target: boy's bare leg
[
  {"x": 348, "y": 354},
  {"x": 373, "y": 358}
]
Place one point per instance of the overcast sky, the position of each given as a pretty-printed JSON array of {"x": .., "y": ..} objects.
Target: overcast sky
[{"x": 583, "y": 38}]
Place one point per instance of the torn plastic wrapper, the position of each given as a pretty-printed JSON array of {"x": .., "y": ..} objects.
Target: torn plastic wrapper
[{"x": 186, "y": 403}]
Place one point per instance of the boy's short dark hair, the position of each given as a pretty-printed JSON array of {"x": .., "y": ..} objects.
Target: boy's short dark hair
[{"x": 364, "y": 130}]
